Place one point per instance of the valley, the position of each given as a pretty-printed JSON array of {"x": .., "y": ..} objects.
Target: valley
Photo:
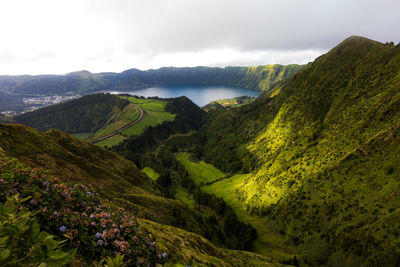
[{"x": 304, "y": 175}]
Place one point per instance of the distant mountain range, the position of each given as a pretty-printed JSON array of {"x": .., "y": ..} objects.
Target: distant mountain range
[
  {"x": 257, "y": 78},
  {"x": 13, "y": 88}
]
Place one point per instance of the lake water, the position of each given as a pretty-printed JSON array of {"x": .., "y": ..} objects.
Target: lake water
[{"x": 201, "y": 95}]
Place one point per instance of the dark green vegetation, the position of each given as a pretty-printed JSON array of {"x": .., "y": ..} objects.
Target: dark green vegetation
[
  {"x": 229, "y": 103},
  {"x": 86, "y": 114},
  {"x": 188, "y": 117},
  {"x": 70, "y": 212},
  {"x": 154, "y": 114},
  {"x": 307, "y": 174},
  {"x": 94, "y": 116},
  {"x": 321, "y": 150},
  {"x": 118, "y": 182}
]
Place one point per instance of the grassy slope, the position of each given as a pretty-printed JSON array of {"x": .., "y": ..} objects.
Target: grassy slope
[
  {"x": 321, "y": 190},
  {"x": 119, "y": 181},
  {"x": 151, "y": 173},
  {"x": 200, "y": 172},
  {"x": 130, "y": 113},
  {"x": 183, "y": 196},
  {"x": 228, "y": 103},
  {"x": 154, "y": 114},
  {"x": 226, "y": 188}
]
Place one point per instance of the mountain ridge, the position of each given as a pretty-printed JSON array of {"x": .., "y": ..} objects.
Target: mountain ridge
[{"x": 293, "y": 141}]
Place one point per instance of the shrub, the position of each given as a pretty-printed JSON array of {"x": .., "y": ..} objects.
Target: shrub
[
  {"x": 22, "y": 242},
  {"x": 75, "y": 212}
]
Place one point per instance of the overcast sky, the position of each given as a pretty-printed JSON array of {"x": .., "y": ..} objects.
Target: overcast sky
[{"x": 57, "y": 36}]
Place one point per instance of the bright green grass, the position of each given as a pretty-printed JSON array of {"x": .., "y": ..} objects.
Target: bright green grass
[
  {"x": 151, "y": 173},
  {"x": 227, "y": 189},
  {"x": 154, "y": 114},
  {"x": 267, "y": 243},
  {"x": 112, "y": 141},
  {"x": 183, "y": 196},
  {"x": 81, "y": 135},
  {"x": 200, "y": 172},
  {"x": 130, "y": 115}
]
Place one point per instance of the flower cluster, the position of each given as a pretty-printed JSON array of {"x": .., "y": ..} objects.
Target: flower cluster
[{"x": 76, "y": 212}]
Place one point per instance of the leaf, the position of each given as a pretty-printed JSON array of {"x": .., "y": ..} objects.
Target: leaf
[
  {"x": 35, "y": 230},
  {"x": 4, "y": 254},
  {"x": 3, "y": 241},
  {"x": 58, "y": 255}
]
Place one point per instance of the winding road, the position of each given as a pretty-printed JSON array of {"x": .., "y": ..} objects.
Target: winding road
[{"x": 122, "y": 128}]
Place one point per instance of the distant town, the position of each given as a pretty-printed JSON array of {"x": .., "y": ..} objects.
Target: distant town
[{"x": 33, "y": 103}]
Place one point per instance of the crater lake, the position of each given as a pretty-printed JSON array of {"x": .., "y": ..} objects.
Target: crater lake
[{"x": 200, "y": 95}]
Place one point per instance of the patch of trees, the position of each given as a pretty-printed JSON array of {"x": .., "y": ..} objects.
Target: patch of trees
[
  {"x": 86, "y": 114},
  {"x": 222, "y": 228},
  {"x": 240, "y": 235},
  {"x": 188, "y": 117}
]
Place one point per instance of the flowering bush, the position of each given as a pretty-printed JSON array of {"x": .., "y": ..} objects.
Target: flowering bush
[
  {"x": 75, "y": 212},
  {"x": 22, "y": 242}
]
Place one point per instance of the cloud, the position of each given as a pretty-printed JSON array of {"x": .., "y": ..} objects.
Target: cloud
[{"x": 105, "y": 35}]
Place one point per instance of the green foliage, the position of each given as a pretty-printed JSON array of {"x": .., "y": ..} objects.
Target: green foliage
[
  {"x": 92, "y": 227},
  {"x": 22, "y": 242},
  {"x": 188, "y": 117},
  {"x": 86, "y": 114},
  {"x": 151, "y": 173},
  {"x": 319, "y": 148},
  {"x": 229, "y": 103},
  {"x": 117, "y": 261},
  {"x": 200, "y": 171},
  {"x": 155, "y": 113}
]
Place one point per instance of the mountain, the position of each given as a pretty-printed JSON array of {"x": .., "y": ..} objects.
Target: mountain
[
  {"x": 307, "y": 174},
  {"x": 320, "y": 152},
  {"x": 84, "y": 82}
]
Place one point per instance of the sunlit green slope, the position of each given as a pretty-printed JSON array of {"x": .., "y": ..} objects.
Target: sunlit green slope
[{"x": 321, "y": 152}]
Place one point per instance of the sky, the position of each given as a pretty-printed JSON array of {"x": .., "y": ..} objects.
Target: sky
[{"x": 61, "y": 36}]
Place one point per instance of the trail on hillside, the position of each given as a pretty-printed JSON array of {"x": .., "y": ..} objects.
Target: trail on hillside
[{"x": 122, "y": 128}]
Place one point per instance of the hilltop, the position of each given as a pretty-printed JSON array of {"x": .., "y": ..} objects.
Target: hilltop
[{"x": 319, "y": 151}]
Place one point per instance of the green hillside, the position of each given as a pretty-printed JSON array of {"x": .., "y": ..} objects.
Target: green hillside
[
  {"x": 320, "y": 152},
  {"x": 154, "y": 114},
  {"x": 307, "y": 174},
  {"x": 86, "y": 114},
  {"x": 229, "y": 103},
  {"x": 117, "y": 183}
]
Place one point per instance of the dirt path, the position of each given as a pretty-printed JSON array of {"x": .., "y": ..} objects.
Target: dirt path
[{"x": 122, "y": 128}]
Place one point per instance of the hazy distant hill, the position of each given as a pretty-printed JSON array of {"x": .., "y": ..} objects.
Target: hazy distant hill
[{"x": 82, "y": 82}]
